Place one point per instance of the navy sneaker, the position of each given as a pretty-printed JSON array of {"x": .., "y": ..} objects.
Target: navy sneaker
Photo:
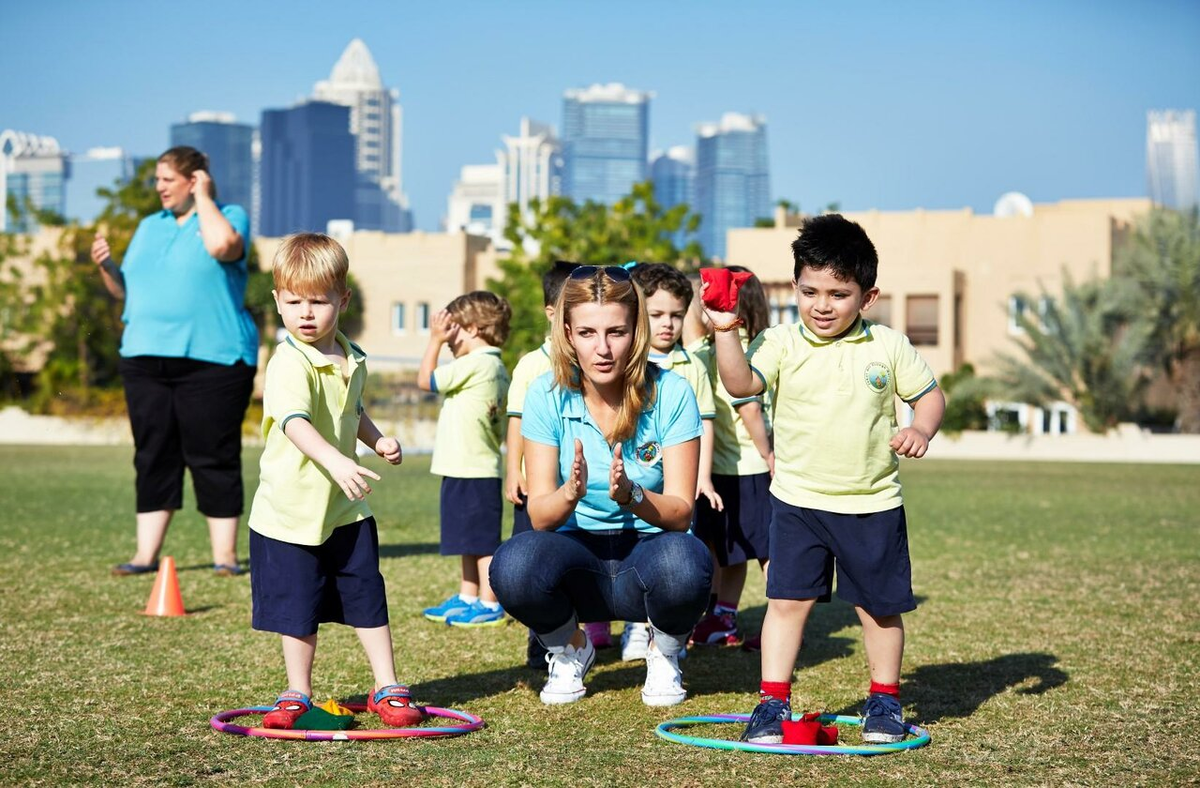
[
  {"x": 883, "y": 722},
  {"x": 766, "y": 723}
]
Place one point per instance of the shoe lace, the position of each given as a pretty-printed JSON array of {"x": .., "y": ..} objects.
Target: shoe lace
[
  {"x": 563, "y": 665},
  {"x": 773, "y": 710},
  {"x": 882, "y": 705}
]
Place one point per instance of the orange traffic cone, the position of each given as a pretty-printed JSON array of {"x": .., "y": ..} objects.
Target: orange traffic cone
[{"x": 165, "y": 599}]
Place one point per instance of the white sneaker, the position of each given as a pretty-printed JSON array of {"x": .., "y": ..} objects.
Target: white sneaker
[
  {"x": 635, "y": 641},
  {"x": 564, "y": 684},
  {"x": 664, "y": 680}
]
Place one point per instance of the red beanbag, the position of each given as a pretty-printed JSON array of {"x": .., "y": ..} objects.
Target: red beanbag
[
  {"x": 723, "y": 286},
  {"x": 809, "y": 731}
]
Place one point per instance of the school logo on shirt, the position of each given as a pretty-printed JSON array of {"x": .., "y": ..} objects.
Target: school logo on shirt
[
  {"x": 648, "y": 454},
  {"x": 877, "y": 377}
]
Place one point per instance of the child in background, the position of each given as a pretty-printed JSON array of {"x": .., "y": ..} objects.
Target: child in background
[
  {"x": 467, "y": 447},
  {"x": 741, "y": 473},
  {"x": 531, "y": 366},
  {"x": 313, "y": 542},
  {"x": 835, "y": 497},
  {"x": 668, "y": 295}
]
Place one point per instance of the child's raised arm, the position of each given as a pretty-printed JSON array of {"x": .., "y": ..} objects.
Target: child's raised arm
[
  {"x": 441, "y": 330},
  {"x": 732, "y": 366},
  {"x": 345, "y": 472}
]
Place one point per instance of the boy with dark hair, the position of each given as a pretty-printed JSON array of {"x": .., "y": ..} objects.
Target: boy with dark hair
[
  {"x": 836, "y": 492},
  {"x": 530, "y": 366}
]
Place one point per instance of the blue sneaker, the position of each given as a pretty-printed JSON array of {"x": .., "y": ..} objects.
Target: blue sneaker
[
  {"x": 883, "y": 722},
  {"x": 766, "y": 723},
  {"x": 452, "y": 605},
  {"x": 477, "y": 615}
]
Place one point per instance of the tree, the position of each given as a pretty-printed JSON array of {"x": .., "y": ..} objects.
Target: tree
[
  {"x": 1082, "y": 348},
  {"x": 636, "y": 227},
  {"x": 965, "y": 408},
  {"x": 1163, "y": 259}
]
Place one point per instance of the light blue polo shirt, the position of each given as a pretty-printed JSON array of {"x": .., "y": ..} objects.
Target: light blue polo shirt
[
  {"x": 180, "y": 301},
  {"x": 556, "y": 417}
]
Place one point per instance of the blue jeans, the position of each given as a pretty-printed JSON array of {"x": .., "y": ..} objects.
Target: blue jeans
[{"x": 551, "y": 580}]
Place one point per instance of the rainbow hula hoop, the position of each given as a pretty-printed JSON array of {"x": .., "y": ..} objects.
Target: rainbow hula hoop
[
  {"x": 470, "y": 722},
  {"x": 664, "y": 731}
]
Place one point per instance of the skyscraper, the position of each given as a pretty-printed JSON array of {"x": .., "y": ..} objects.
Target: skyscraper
[
  {"x": 732, "y": 178},
  {"x": 605, "y": 133},
  {"x": 1171, "y": 163},
  {"x": 477, "y": 203},
  {"x": 376, "y": 123},
  {"x": 307, "y": 174},
  {"x": 33, "y": 170},
  {"x": 229, "y": 146},
  {"x": 531, "y": 163},
  {"x": 674, "y": 177}
]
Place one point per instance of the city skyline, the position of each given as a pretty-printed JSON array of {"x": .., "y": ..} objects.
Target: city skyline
[{"x": 873, "y": 107}]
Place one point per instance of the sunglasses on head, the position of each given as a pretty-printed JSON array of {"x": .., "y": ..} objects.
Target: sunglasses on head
[{"x": 613, "y": 272}]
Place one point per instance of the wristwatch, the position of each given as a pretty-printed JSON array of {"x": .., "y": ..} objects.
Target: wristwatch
[{"x": 636, "y": 496}]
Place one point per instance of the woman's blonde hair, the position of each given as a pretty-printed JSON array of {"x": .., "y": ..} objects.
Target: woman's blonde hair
[
  {"x": 310, "y": 263},
  {"x": 487, "y": 312},
  {"x": 640, "y": 388}
]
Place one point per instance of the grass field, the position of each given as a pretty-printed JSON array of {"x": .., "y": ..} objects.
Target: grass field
[{"x": 1057, "y": 642}]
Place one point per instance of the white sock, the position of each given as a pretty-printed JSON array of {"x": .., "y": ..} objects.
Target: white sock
[
  {"x": 490, "y": 605},
  {"x": 469, "y": 599}
]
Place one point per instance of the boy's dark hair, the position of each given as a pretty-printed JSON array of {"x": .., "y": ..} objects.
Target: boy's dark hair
[
  {"x": 652, "y": 277},
  {"x": 834, "y": 243},
  {"x": 552, "y": 280}
]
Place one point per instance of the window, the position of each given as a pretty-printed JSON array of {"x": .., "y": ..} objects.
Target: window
[
  {"x": 1016, "y": 310},
  {"x": 881, "y": 312},
  {"x": 423, "y": 317},
  {"x": 398, "y": 321},
  {"x": 921, "y": 319}
]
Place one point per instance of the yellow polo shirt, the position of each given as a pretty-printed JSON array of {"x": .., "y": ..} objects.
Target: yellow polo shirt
[
  {"x": 470, "y": 426},
  {"x": 734, "y": 452},
  {"x": 691, "y": 369},
  {"x": 532, "y": 366},
  {"x": 297, "y": 501},
  {"x": 835, "y": 413}
]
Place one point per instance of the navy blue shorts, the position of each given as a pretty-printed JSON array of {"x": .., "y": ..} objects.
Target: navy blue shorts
[
  {"x": 521, "y": 521},
  {"x": 472, "y": 511},
  {"x": 742, "y": 532},
  {"x": 295, "y": 587},
  {"x": 869, "y": 551}
]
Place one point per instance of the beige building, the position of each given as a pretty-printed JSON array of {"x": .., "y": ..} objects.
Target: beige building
[
  {"x": 403, "y": 279},
  {"x": 948, "y": 279}
]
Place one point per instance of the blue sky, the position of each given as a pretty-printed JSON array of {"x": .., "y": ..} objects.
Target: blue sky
[{"x": 875, "y": 105}]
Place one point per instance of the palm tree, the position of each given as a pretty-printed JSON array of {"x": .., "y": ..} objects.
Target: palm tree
[
  {"x": 1163, "y": 259},
  {"x": 1082, "y": 349}
]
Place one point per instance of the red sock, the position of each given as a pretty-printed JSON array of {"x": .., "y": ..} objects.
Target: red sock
[
  {"x": 780, "y": 690},
  {"x": 886, "y": 689}
]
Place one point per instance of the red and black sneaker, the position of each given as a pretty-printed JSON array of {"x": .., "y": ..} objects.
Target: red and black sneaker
[
  {"x": 395, "y": 706},
  {"x": 716, "y": 629},
  {"x": 288, "y": 708}
]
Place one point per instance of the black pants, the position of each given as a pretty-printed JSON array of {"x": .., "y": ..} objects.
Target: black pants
[{"x": 187, "y": 413}]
